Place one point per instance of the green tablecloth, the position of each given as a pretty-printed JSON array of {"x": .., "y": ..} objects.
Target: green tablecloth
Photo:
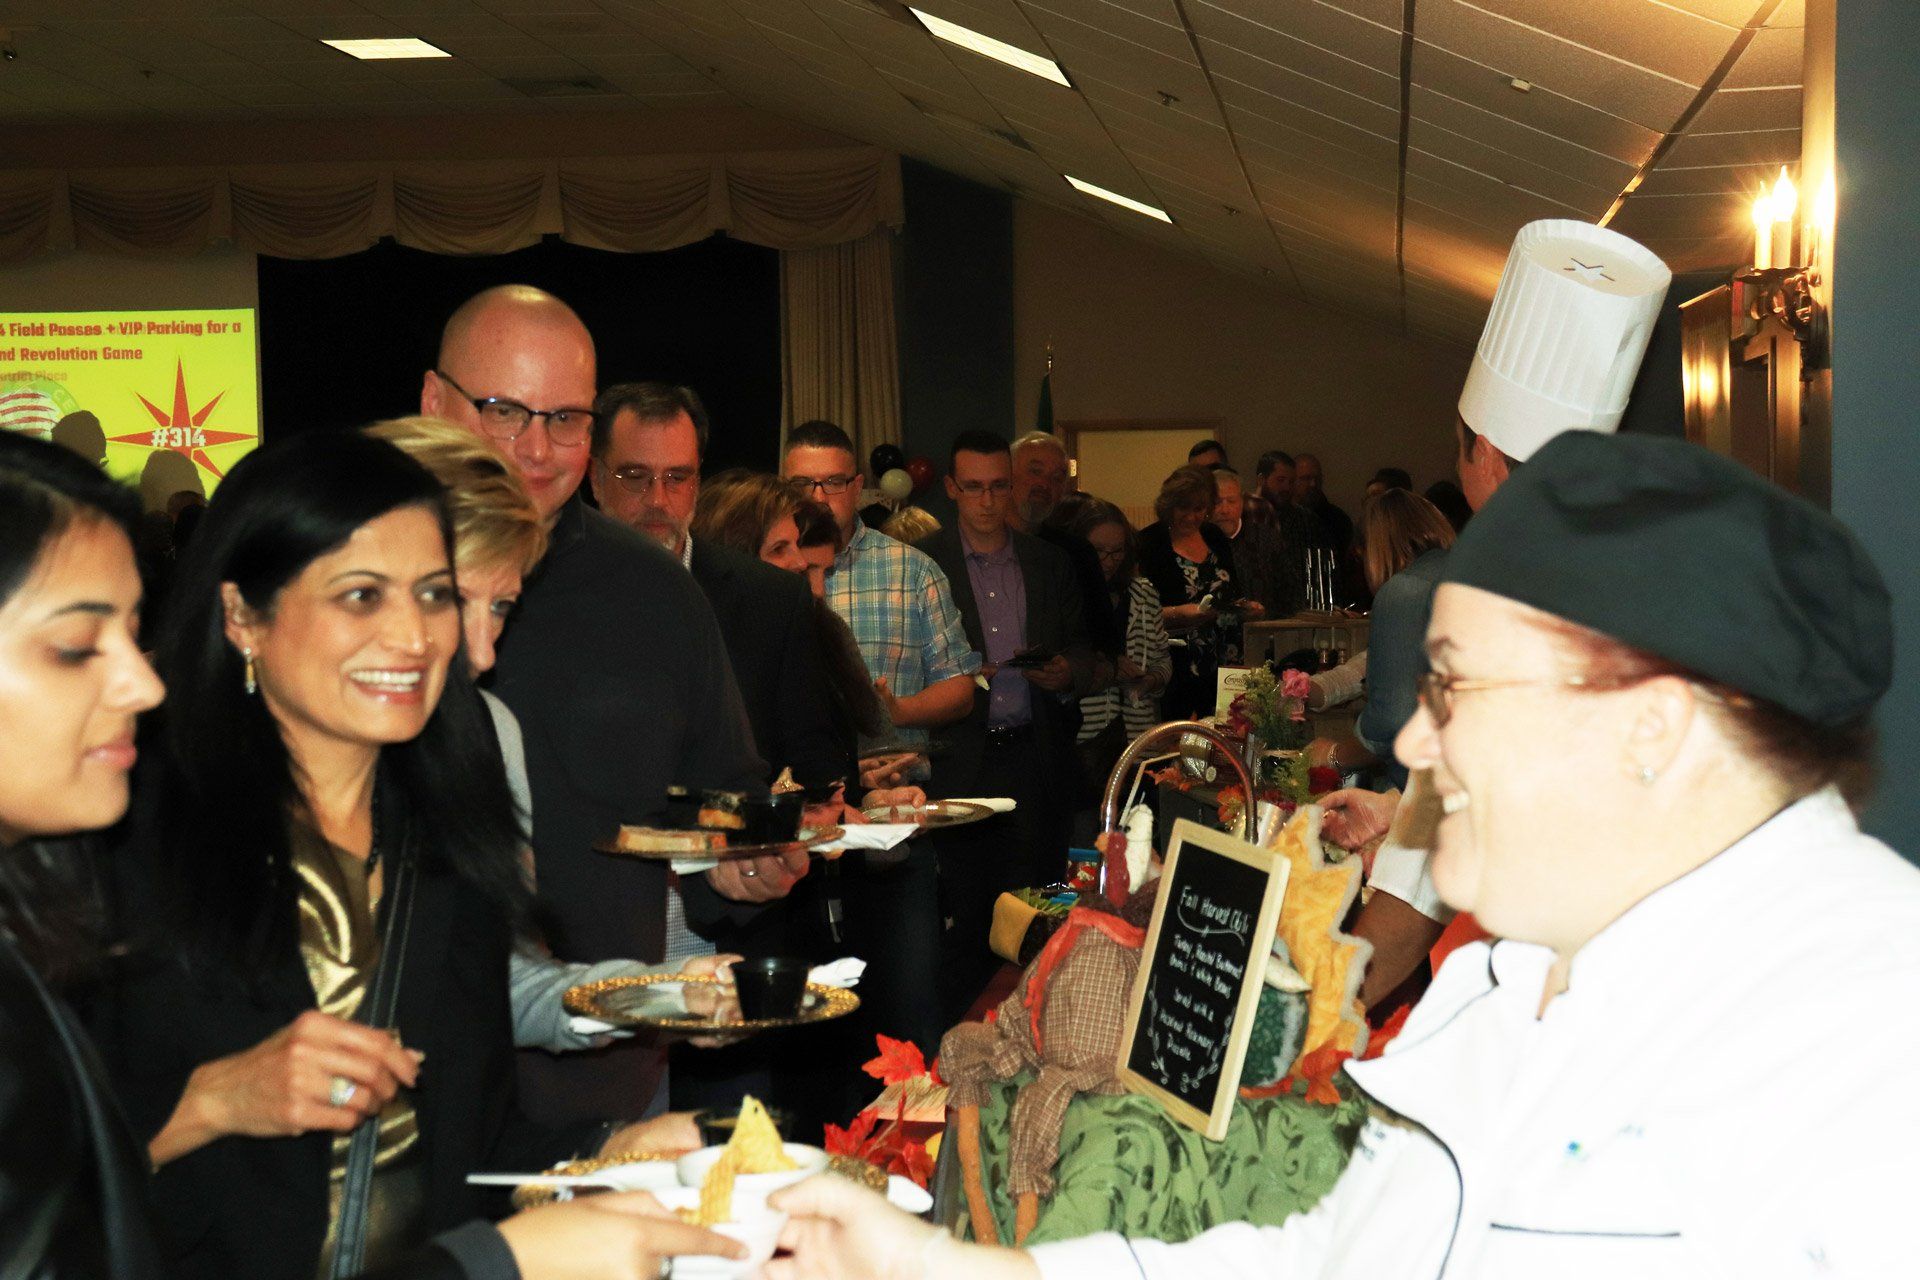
[{"x": 1126, "y": 1166}]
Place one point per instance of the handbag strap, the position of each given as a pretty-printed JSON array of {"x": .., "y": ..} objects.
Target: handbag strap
[{"x": 377, "y": 1009}]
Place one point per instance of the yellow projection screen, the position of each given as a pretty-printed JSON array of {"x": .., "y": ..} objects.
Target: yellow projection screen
[{"x": 167, "y": 400}]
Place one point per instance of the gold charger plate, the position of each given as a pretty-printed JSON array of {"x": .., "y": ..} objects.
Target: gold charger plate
[
  {"x": 808, "y": 838},
  {"x": 612, "y": 1000},
  {"x": 935, "y": 813}
]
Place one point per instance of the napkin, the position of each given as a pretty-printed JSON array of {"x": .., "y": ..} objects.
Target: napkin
[
  {"x": 844, "y": 972},
  {"x": 872, "y": 835},
  {"x": 999, "y": 804}
]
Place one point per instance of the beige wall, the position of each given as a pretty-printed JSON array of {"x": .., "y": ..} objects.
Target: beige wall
[{"x": 1138, "y": 332}]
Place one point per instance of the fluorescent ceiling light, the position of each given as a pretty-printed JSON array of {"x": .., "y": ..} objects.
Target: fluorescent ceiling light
[
  {"x": 1087, "y": 188},
  {"x": 988, "y": 47},
  {"x": 373, "y": 50}
]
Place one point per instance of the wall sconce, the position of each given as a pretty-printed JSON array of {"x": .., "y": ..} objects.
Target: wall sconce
[{"x": 1786, "y": 261}]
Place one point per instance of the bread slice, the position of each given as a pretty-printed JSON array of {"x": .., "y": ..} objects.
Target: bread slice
[{"x": 657, "y": 840}]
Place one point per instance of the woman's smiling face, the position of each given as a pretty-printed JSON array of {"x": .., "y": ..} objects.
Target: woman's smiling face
[{"x": 355, "y": 649}]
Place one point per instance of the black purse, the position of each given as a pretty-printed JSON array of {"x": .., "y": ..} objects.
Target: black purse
[{"x": 377, "y": 1009}]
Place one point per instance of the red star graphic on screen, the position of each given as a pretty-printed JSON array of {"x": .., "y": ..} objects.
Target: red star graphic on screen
[{"x": 182, "y": 430}]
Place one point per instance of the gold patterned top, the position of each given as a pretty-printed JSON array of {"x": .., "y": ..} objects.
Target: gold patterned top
[{"x": 340, "y": 946}]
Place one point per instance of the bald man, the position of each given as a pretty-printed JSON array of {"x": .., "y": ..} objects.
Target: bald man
[{"x": 616, "y": 669}]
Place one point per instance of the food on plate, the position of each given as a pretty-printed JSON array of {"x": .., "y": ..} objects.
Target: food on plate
[
  {"x": 661, "y": 840},
  {"x": 755, "y": 1147},
  {"x": 720, "y": 810}
]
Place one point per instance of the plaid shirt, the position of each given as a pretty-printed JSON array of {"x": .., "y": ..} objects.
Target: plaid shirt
[{"x": 897, "y": 602}]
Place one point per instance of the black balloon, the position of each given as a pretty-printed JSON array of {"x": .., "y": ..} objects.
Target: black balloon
[{"x": 884, "y": 458}]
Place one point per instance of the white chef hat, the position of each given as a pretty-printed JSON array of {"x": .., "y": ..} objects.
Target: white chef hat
[{"x": 1570, "y": 321}]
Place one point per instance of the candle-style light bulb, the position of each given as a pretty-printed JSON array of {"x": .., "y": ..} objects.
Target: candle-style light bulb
[
  {"x": 1784, "y": 200},
  {"x": 1763, "y": 230}
]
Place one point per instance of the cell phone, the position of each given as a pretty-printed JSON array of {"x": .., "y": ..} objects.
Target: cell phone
[{"x": 1032, "y": 659}]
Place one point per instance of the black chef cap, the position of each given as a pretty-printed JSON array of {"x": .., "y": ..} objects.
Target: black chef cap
[{"x": 1670, "y": 548}]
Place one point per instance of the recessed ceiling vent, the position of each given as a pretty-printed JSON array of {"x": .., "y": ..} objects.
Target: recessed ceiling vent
[{"x": 561, "y": 86}]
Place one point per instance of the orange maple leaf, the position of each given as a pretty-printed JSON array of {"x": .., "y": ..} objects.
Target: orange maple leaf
[{"x": 899, "y": 1061}]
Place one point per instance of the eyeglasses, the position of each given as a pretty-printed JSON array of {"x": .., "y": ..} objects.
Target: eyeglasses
[
  {"x": 641, "y": 479},
  {"x": 974, "y": 488},
  {"x": 1437, "y": 691},
  {"x": 831, "y": 484},
  {"x": 505, "y": 420}
]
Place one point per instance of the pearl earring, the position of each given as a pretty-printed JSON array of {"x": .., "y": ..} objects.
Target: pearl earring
[
  {"x": 253, "y": 684},
  {"x": 1648, "y": 775}
]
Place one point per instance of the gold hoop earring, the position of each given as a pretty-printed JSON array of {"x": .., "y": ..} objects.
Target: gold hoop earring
[{"x": 253, "y": 684}]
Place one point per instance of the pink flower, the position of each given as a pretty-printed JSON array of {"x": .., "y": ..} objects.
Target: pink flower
[{"x": 1295, "y": 683}]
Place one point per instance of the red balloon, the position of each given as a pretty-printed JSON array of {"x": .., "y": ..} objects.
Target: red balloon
[{"x": 921, "y": 469}]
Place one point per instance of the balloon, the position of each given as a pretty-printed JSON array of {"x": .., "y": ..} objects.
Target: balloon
[
  {"x": 885, "y": 458},
  {"x": 896, "y": 484},
  {"x": 920, "y": 470}
]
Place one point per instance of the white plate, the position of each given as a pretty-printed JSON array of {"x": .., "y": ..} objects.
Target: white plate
[
  {"x": 750, "y": 1190},
  {"x": 905, "y": 1193},
  {"x": 757, "y": 1228}
]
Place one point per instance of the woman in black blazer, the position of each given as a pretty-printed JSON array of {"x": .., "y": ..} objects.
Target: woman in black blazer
[
  {"x": 74, "y": 1188},
  {"x": 316, "y": 743},
  {"x": 1190, "y": 563}
]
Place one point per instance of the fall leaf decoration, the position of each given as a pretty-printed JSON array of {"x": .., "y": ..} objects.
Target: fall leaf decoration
[
  {"x": 899, "y": 1061},
  {"x": 888, "y": 1147},
  {"x": 1319, "y": 895}
]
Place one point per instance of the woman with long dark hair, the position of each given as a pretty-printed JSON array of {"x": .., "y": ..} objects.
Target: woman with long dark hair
[
  {"x": 316, "y": 756},
  {"x": 73, "y": 1182}
]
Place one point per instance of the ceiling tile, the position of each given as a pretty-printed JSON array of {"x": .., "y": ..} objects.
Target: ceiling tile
[
  {"x": 1670, "y": 41},
  {"x": 1645, "y": 97},
  {"x": 1743, "y": 181},
  {"x": 1541, "y": 108},
  {"x": 1732, "y": 110},
  {"x": 1773, "y": 58},
  {"x": 1306, "y": 21},
  {"x": 1762, "y": 146},
  {"x": 1062, "y": 19},
  {"x": 1484, "y": 128},
  {"x": 1285, "y": 84},
  {"x": 1509, "y": 169}
]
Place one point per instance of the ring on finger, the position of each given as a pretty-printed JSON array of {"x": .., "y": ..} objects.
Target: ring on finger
[
  {"x": 341, "y": 1091},
  {"x": 749, "y": 873}
]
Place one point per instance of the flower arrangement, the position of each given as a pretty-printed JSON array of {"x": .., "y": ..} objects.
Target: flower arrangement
[
  {"x": 887, "y": 1145},
  {"x": 1273, "y": 709}
]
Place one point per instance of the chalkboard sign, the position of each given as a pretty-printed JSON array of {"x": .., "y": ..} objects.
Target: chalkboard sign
[{"x": 1200, "y": 975}]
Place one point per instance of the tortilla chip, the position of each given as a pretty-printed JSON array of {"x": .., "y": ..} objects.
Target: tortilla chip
[
  {"x": 755, "y": 1146},
  {"x": 716, "y": 1192}
]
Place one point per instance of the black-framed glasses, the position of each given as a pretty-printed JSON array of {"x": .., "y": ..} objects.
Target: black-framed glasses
[
  {"x": 1437, "y": 691},
  {"x": 637, "y": 479},
  {"x": 505, "y": 419},
  {"x": 974, "y": 488},
  {"x": 806, "y": 488}
]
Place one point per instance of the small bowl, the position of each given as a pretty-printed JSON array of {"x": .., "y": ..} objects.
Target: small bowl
[
  {"x": 716, "y": 1124},
  {"x": 754, "y": 1225},
  {"x": 750, "y": 1190},
  {"x": 770, "y": 987}
]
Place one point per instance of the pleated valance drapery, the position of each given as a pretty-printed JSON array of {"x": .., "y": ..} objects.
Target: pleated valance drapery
[
  {"x": 789, "y": 200},
  {"x": 839, "y": 347}
]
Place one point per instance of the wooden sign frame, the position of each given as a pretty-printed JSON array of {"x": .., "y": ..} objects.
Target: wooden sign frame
[{"x": 1190, "y": 839}]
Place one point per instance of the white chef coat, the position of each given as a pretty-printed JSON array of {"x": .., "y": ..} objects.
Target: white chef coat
[{"x": 1729, "y": 1087}]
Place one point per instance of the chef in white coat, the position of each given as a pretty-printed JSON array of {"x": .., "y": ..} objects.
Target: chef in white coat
[{"x": 1693, "y": 1051}]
